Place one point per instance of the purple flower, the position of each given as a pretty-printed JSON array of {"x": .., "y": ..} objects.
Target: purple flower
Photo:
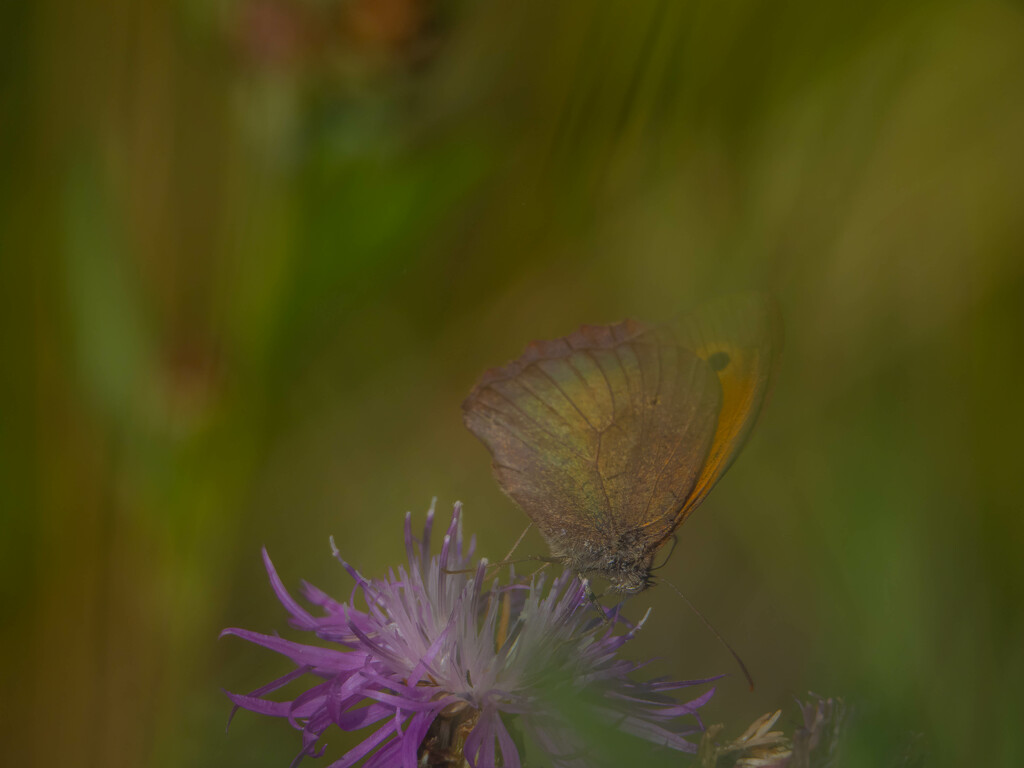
[{"x": 447, "y": 672}]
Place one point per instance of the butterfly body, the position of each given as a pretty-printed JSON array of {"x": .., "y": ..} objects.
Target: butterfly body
[
  {"x": 623, "y": 560},
  {"x": 609, "y": 437}
]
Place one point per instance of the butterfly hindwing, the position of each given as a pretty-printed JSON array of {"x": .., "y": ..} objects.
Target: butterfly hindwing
[{"x": 739, "y": 337}]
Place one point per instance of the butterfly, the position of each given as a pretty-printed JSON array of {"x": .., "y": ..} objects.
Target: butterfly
[{"x": 609, "y": 438}]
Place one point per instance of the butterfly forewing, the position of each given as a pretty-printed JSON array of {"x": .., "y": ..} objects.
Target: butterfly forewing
[{"x": 601, "y": 432}]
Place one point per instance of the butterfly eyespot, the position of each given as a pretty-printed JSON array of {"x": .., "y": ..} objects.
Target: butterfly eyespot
[{"x": 719, "y": 360}]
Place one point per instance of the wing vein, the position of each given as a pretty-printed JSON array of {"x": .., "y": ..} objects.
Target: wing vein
[
  {"x": 611, "y": 393},
  {"x": 536, "y": 423},
  {"x": 571, "y": 401},
  {"x": 683, "y": 433},
  {"x": 631, "y": 383}
]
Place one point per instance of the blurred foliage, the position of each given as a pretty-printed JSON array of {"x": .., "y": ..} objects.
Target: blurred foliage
[{"x": 253, "y": 253}]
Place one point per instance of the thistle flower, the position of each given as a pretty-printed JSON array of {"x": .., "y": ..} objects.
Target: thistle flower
[{"x": 446, "y": 672}]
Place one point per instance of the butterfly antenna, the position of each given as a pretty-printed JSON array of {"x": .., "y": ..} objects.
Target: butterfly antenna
[{"x": 715, "y": 632}]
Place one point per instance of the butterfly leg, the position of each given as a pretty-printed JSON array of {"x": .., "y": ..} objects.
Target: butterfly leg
[
  {"x": 502, "y": 563},
  {"x": 519, "y": 541},
  {"x": 609, "y": 617},
  {"x": 675, "y": 540}
]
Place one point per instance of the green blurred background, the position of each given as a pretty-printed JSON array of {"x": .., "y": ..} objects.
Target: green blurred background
[{"x": 255, "y": 253}]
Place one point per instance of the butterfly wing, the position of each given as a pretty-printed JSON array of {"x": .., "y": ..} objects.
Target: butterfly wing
[
  {"x": 739, "y": 337},
  {"x": 601, "y": 432}
]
